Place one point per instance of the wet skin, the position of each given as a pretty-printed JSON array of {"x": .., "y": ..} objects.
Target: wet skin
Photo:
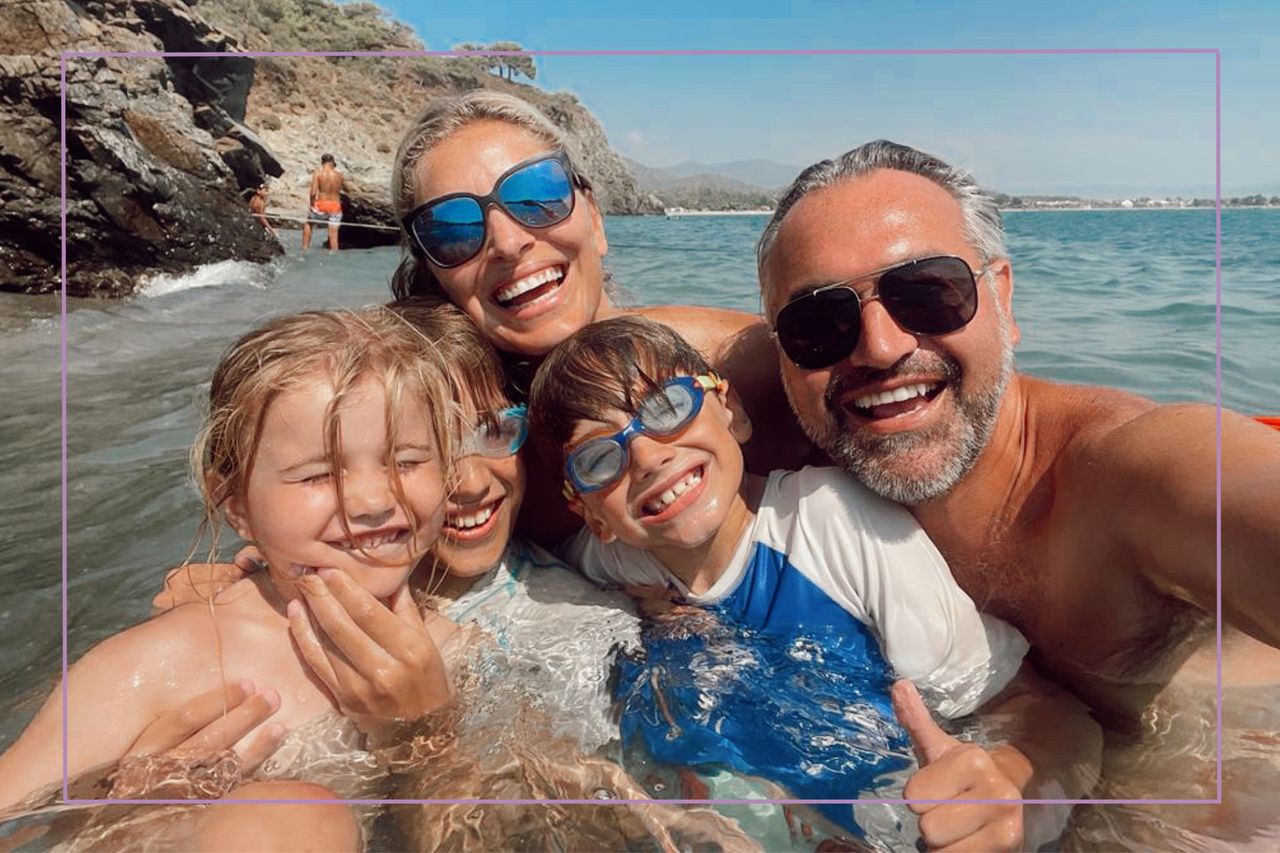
[
  {"x": 695, "y": 534},
  {"x": 1061, "y": 522},
  {"x": 569, "y": 252}
]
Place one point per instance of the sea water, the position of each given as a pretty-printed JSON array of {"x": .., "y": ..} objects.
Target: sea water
[{"x": 1121, "y": 298}]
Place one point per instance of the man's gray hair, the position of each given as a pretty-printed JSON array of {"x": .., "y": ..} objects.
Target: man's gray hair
[{"x": 982, "y": 224}]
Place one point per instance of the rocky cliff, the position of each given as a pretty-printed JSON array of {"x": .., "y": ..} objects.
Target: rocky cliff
[{"x": 159, "y": 150}]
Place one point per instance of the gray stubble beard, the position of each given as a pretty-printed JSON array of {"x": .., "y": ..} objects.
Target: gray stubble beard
[{"x": 869, "y": 458}]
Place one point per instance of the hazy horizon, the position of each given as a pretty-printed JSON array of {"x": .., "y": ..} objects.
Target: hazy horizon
[{"x": 690, "y": 167}]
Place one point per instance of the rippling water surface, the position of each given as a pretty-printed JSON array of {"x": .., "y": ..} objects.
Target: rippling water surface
[{"x": 1114, "y": 297}]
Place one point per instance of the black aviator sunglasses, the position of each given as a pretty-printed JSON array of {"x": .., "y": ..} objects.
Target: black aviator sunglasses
[{"x": 926, "y": 296}]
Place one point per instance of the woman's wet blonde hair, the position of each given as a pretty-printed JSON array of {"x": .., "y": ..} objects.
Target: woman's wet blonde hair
[
  {"x": 438, "y": 121},
  {"x": 343, "y": 348}
]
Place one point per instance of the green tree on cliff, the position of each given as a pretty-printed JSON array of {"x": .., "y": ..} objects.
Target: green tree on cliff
[
  {"x": 505, "y": 67},
  {"x": 513, "y": 65}
]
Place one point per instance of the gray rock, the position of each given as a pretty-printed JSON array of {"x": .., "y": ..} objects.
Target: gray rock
[
  {"x": 159, "y": 151},
  {"x": 148, "y": 190}
]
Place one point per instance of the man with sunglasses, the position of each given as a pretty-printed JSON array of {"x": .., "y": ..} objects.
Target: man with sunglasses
[{"x": 1085, "y": 516}]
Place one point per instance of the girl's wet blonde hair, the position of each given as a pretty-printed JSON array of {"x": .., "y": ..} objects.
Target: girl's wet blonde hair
[
  {"x": 343, "y": 348},
  {"x": 476, "y": 378}
]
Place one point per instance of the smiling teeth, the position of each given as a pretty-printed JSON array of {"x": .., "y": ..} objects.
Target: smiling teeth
[
  {"x": 530, "y": 282},
  {"x": 465, "y": 522},
  {"x": 897, "y": 395},
  {"x": 662, "y": 501},
  {"x": 374, "y": 541}
]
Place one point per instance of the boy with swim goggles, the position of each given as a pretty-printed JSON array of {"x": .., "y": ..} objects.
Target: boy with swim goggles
[{"x": 652, "y": 463}]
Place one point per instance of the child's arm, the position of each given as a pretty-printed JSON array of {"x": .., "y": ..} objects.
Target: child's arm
[
  {"x": 108, "y": 707},
  {"x": 114, "y": 694}
]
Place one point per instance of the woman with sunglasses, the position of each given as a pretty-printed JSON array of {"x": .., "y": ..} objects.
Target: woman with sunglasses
[{"x": 501, "y": 222}]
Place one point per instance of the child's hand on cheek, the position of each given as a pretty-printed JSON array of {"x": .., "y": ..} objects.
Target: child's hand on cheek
[{"x": 380, "y": 665}]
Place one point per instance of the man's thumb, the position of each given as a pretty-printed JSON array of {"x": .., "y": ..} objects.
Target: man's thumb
[{"x": 928, "y": 739}]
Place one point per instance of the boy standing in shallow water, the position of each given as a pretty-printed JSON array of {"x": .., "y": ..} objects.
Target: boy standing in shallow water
[{"x": 653, "y": 465}]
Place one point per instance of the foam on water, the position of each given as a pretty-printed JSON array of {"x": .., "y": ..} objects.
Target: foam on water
[{"x": 209, "y": 275}]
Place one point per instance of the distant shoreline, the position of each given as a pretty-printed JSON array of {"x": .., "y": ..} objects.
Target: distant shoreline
[
  {"x": 676, "y": 213},
  {"x": 1135, "y": 209}
]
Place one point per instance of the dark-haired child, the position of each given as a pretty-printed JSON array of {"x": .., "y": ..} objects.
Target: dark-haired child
[{"x": 652, "y": 463}]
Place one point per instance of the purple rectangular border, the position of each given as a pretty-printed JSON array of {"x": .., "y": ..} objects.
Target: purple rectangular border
[{"x": 1215, "y": 52}]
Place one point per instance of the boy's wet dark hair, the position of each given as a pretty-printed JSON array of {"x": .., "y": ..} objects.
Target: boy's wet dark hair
[
  {"x": 327, "y": 158},
  {"x": 605, "y": 367}
]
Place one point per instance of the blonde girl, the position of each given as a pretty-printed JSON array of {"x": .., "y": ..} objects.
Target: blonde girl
[{"x": 328, "y": 443}]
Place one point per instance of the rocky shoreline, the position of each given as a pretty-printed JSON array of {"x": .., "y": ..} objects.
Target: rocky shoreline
[{"x": 160, "y": 151}]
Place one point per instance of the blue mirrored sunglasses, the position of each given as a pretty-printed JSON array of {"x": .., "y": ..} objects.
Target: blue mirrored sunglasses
[
  {"x": 598, "y": 462},
  {"x": 504, "y": 436},
  {"x": 537, "y": 193}
]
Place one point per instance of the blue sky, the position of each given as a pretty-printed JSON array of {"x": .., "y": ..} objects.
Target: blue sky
[{"x": 1097, "y": 124}]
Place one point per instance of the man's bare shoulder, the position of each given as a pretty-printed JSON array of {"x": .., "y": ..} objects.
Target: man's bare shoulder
[
  {"x": 1077, "y": 418},
  {"x": 1112, "y": 445}
]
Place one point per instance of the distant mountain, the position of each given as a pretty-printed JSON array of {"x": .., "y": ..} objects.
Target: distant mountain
[
  {"x": 757, "y": 172},
  {"x": 700, "y": 190},
  {"x": 650, "y": 179}
]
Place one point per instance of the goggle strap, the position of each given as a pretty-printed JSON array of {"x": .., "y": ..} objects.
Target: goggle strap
[{"x": 708, "y": 381}]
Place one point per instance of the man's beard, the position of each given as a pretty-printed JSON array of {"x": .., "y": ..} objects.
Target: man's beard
[{"x": 883, "y": 463}]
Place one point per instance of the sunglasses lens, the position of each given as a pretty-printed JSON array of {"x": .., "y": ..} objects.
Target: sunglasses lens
[
  {"x": 451, "y": 231},
  {"x": 596, "y": 463},
  {"x": 820, "y": 329},
  {"x": 934, "y": 296},
  {"x": 539, "y": 195}
]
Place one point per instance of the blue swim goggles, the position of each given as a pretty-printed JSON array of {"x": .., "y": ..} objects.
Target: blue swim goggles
[
  {"x": 502, "y": 437},
  {"x": 537, "y": 193},
  {"x": 598, "y": 462}
]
